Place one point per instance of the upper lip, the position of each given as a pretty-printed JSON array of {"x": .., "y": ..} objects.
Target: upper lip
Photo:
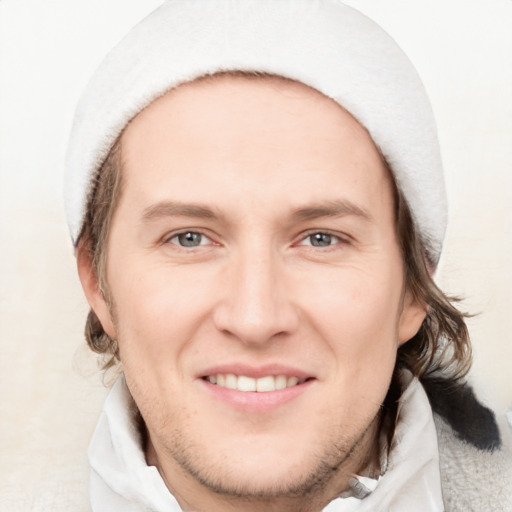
[{"x": 256, "y": 372}]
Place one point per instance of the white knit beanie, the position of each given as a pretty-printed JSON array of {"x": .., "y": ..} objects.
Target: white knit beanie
[{"x": 321, "y": 43}]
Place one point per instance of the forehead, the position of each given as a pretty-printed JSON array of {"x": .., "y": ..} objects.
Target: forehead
[
  {"x": 239, "y": 105},
  {"x": 238, "y": 136}
]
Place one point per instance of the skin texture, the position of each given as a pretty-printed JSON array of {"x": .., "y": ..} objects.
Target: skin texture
[{"x": 261, "y": 165}]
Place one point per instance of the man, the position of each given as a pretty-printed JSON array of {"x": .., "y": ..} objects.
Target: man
[{"x": 256, "y": 197}]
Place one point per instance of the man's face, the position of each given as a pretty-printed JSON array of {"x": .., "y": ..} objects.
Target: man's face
[{"x": 254, "y": 245}]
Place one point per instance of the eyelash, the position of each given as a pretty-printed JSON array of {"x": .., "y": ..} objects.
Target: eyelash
[
  {"x": 170, "y": 239},
  {"x": 337, "y": 239}
]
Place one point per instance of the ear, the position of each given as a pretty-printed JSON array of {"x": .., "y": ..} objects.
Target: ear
[
  {"x": 93, "y": 293},
  {"x": 414, "y": 312}
]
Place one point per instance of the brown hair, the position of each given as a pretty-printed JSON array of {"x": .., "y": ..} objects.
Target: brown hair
[
  {"x": 101, "y": 205},
  {"x": 441, "y": 345}
]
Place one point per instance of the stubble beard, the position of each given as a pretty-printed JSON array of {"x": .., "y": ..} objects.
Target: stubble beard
[{"x": 324, "y": 480}]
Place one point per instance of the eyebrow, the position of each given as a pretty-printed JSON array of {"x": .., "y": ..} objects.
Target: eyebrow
[
  {"x": 176, "y": 208},
  {"x": 334, "y": 208}
]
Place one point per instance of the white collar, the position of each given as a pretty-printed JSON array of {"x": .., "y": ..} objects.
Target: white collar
[
  {"x": 121, "y": 481},
  {"x": 412, "y": 480}
]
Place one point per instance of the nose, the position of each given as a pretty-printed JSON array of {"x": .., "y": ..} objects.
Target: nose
[{"x": 256, "y": 305}]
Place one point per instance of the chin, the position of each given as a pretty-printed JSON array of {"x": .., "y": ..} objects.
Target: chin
[
  {"x": 262, "y": 469},
  {"x": 258, "y": 482}
]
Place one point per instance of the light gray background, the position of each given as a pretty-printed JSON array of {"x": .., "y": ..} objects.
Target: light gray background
[{"x": 51, "y": 392}]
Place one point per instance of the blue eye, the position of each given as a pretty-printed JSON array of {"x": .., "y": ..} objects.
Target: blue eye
[
  {"x": 189, "y": 239},
  {"x": 320, "y": 240}
]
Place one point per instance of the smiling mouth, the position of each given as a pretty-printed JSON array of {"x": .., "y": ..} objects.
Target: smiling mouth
[{"x": 261, "y": 385}]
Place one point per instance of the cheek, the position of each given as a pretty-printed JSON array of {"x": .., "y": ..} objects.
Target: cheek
[
  {"x": 358, "y": 312},
  {"x": 157, "y": 309}
]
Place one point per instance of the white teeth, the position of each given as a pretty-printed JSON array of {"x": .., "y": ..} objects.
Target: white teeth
[
  {"x": 231, "y": 381},
  {"x": 246, "y": 383},
  {"x": 265, "y": 384},
  {"x": 262, "y": 385},
  {"x": 280, "y": 382},
  {"x": 292, "y": 381}
]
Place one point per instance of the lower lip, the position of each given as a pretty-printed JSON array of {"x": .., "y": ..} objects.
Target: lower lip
[{"x": 253, "y": 401}]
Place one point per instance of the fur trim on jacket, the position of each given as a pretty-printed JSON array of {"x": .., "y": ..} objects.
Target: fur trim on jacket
[{"x": 476, "y": 470}]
